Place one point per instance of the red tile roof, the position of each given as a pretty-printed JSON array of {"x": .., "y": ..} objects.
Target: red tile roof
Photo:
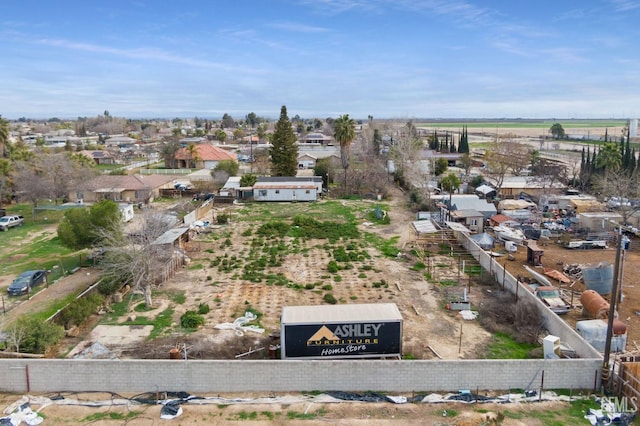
[{"x": 207, "y": 152}]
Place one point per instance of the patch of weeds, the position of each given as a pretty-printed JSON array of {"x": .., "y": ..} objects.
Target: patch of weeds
[
  {"x": 178, "y": 297},
  {"x": 367, "y": 267},
  {"x": 191, "y": 320},
  {"x": 387, "y": 247},
  {"x": 442, "y": 265},
  {"x": 327, "y": 287},
  {"x": 418, "y": 266},
  {"x": 448, "y": 283},
  {"x": 380, "y": 284},
  {"x": 362, "y": 275},
  {"x": 337, "y": 278},
  {"x": 330, "y": 299},
  {"x": 142, "y": 307},
  {"x": 268, "y": 414},
  {"x": 353, "y": 297},
  {"x": 203, "y": 309},
  {"x": 333, "y": 267},
  {"x": 325, "y": 277},
  {"x": 294, "y": 415},
  {"x": 162, "y": 322},
  {"x": 210, "y": 250},
  {"x": 408, "y": 356},
  {"x": 243, "y": 415},
  {"x": 111, "y": 415},
  {"x": 309, "y": 286},
  {"x": 448, "y": 413},
  {"x": 427, "y": 276},
  {"x": 196, "y": 266},
  {"x": 504, "y": 346},
  {"x": 517, "y": 415},
  {"x": 209, "y": 277}
]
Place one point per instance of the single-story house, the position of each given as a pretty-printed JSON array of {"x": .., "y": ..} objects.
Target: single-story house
[
  {"x": 122, "y": 188},
  {"x": 318, "y": 139},
  {"x": 472, "y": 219},
  {"x": 284, "y": 188},
  {"x": 121, "y": 141},
  {"x": 306, "y": 161},
  {"x": 99, "y": 157},
  {"x": 206, "y": 156}
]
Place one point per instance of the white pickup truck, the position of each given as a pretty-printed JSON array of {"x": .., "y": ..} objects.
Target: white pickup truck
[{"x": 7, "y": 222}]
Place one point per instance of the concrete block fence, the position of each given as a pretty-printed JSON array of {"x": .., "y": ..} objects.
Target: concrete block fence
[{"x": 51, "y": 375}]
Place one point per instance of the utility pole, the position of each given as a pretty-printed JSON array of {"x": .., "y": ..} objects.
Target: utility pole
[{"x": 612, "y": 309}]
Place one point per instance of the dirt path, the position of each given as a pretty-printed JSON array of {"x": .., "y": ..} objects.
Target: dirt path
[{"x": 17, "y": 306}]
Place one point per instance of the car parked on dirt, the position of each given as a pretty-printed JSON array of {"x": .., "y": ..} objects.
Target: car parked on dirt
[
  {"x": 7, "y": 222},
  {"x": 26, "y": 281},
  {"x": 204, "y": 197}
]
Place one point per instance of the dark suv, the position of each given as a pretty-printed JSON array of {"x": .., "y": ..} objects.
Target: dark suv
[{"x": 26, "y": 281}]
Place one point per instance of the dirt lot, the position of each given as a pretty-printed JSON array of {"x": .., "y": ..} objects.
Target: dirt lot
[
  {"x": 290, "y": 409},
  {"x": 426, "y": 323}
]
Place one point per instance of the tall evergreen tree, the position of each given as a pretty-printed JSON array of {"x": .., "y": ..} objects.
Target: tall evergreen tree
[
  {"x": 284, "y": 151},
  {"x": 463, "y": 146},
  {"x": 377, "y": 141}
]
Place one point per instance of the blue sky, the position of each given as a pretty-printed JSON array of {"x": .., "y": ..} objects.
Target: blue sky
[{"x": 321, "y": 58}]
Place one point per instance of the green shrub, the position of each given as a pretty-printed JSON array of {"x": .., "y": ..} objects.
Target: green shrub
[
  {"x": 329, "y": 298},
  {"x": 36, "y": 335},
  {"x": 223, "y": 219},
  {"x": 333, "y": 267},
  {"x": 327, "y": 287},
  {"x": 109, "y": 285},
  {"x": 191, "y": 319},
  {"x": 203, "y": 309},
  {"x": 80, "y": 309}
]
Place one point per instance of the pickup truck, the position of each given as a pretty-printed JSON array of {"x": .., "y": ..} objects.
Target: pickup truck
[
  {"x": 551, "y": 297},
  {"x": 7, "y": 222}
]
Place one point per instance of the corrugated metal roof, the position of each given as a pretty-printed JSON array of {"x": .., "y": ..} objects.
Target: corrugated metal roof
[
  {"x": 331, "y": 314},
  {"x": 458, "y": 227},
  {"x": 424, "y": 226},
  {"x": 170, "y": 236}
]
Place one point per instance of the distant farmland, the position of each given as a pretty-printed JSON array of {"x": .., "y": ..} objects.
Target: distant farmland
[{"x": 523, "y": 124}]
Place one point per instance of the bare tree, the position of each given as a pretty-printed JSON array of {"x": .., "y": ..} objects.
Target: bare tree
[
  {"x": 137, "y": 258},
  {"x": 620, "y": 188},
  {"x": 31, "y": 182}
]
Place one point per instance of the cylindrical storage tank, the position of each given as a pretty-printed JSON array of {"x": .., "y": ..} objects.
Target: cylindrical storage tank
[
  {"x": 619, "y": 327},
  {"x": 174, "y": 353},
  {"x": 594, "y": 305}
]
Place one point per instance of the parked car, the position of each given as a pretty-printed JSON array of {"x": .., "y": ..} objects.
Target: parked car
[
  {"x": 26, "y": 281},
  {"x": 204, "y": 197},
  {"x": 7, "y": 222}
]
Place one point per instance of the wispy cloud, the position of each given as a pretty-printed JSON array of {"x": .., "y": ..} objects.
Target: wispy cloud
[
  {"x": 625, "y": 5},
  {"x": 136, "y": 53},
  {"x": 297, "y": 28}
]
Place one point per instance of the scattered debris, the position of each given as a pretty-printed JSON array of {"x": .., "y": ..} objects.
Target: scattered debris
[
  {"x": 23, "y": 413},
  {"x": 239, "y": 325},
  {"x": 469, "y": 315}
]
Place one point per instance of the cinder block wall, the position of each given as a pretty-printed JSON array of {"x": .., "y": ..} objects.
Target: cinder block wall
[{"x": 281, "y": 376}]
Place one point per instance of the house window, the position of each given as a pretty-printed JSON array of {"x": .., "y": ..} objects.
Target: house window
[
  {"x": 277, "y": 191},
  {"x": 263, "y": 192},
  {"x": 307, "y": 192},
  {"x": 473, "y": 222},
  {"x": 79, "y": 196}
]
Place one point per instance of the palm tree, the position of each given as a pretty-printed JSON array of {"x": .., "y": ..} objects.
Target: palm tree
[
  {"x": 344, "y": 129},
  {"x": 192, "y": 149},
  {"x": 610, "y": 158}
]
